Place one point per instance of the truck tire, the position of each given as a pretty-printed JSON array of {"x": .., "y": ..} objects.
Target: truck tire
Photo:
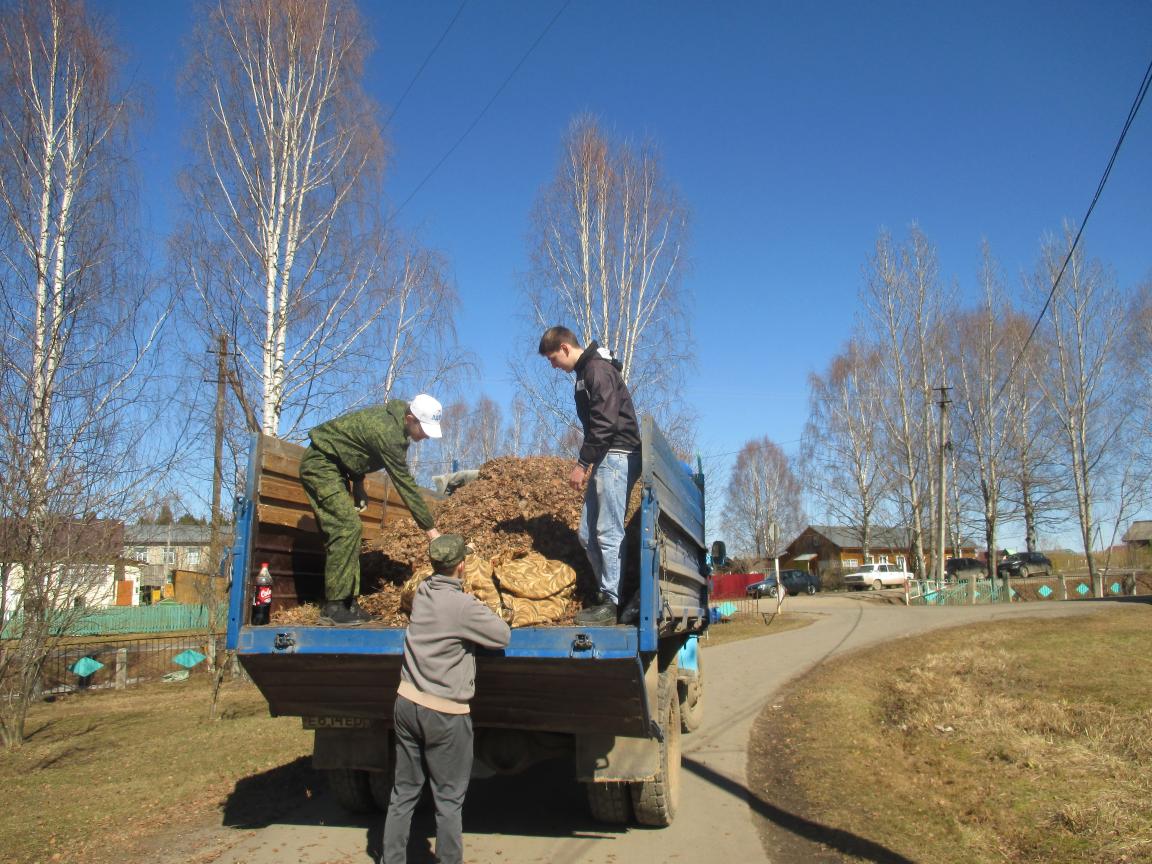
[
  {"x": 655, "y": 800},
  {"x": 351, "y": 787},
  {"x": 877, "y": 584},
  {"x": 691, "y": 694},
  {"x": 609, "y": 802}
]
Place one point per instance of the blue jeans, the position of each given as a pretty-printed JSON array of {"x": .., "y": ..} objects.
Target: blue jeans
[{"x": 602, "y": 520}]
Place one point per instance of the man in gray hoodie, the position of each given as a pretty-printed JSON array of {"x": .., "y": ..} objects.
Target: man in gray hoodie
[{"x": 431, "y": 720}]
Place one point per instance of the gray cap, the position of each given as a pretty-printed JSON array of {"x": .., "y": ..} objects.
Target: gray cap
[{"x": 446, "y": 551}]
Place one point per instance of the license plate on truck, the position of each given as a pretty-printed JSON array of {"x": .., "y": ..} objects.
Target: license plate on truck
[{"x": 336, "y": 722}]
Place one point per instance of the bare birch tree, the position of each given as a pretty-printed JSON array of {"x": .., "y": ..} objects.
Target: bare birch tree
[
  {"x": 608, "y": 247},
  {"x": 485, "y": 425},
  {"x": 283, "y": 244},
  {"x": 1083, "y": 386},
  {"x": 841, "y": 446},
  {"x": 988, "y": 407},
  {"x": 76, "y": 328},
  {"x": 764, "y": 510},
  {"x": 902, "y": 300}
]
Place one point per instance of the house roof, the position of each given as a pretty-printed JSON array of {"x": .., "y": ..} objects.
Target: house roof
[
  {"x": 879, "y": 536},
  {"x": 1140, "y": 530}
]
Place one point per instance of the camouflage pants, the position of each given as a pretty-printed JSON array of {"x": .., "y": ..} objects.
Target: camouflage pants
[{"x": 339, "y": 522}]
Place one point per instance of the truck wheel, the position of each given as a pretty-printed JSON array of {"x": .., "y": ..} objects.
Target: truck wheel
[
  {"x": 352, "y": 789},
  {"x": 772, "y": 591},
  {"x": 877, "y": 585},
  {"x": 811, "y": 589},
  {"x": 691, "y": 694},
  {"x": 655, "y": 800},
  {"x": 609, "y": 802}
]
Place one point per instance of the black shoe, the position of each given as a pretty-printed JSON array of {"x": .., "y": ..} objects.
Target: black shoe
[
  {"x": 603, "y": 615},
  {"x": 346, "y": 612},
  {"x": 630, "y": 612}
]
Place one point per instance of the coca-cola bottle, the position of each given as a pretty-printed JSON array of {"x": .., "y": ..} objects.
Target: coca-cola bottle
[{"x": 262, "y": 597}]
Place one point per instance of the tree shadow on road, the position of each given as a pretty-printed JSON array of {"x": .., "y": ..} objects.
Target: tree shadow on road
[{"x": 835, "y": 841}]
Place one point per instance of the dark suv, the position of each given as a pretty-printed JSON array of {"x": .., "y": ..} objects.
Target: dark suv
[
  {"x": 954, "y": 567},
  {"x": 1024, "y": 564},
  {"x": 794, "y": 582}
]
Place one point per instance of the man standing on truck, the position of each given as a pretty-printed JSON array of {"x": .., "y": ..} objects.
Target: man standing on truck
[
  {"x": 342, "y": 451},
  {"x": 608, "y": 465},
  {"x": 431, "y": 720}
]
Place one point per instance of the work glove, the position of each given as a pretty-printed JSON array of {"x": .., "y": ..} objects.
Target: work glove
[{"x": 359, "y": 495}]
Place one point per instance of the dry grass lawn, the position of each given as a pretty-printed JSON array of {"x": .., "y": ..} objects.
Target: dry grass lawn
[
  {"x": 1020, "y": 741},
  {"x": 103, "y": 773},
  {"x": 749, "y": 626}
]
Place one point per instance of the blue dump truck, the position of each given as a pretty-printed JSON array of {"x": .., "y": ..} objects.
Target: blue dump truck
[{"x": 613, "y": 701}]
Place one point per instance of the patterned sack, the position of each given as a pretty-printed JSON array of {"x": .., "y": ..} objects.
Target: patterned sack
[{"x": 535, "y": 588}]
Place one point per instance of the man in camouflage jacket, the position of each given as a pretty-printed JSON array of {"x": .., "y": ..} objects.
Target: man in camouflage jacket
[{"x": 342, "y": 451}]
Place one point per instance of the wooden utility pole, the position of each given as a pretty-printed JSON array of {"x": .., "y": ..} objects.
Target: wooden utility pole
[
  {"x": 218, "y": 452},
  {"x": 942, "y": 510}
]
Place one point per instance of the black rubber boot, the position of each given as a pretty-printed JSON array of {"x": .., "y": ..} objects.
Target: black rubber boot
[
  {"x": 343, "y": 613},
  {"x": 630, "y": 611}
]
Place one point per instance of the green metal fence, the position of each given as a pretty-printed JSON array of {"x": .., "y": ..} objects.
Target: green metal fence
[{"x": 162, "y": 618}]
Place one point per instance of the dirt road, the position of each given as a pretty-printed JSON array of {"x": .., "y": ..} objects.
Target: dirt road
[{"x": 541, "y": 816}]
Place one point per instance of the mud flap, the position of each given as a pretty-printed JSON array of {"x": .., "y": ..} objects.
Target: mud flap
[{"x": 614, "y": 758}]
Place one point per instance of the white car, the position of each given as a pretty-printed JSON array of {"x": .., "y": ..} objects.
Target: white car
[{"x": 876, "y": 576}]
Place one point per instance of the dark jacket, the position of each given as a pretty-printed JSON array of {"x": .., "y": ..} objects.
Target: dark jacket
[
  {"x": 370, "y": 439},
  {"x": 439, "y": 667},
  {"x": 604, "y": 407}
]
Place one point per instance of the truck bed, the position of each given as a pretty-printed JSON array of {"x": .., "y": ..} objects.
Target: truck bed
[{"x": 549, "y": 678}]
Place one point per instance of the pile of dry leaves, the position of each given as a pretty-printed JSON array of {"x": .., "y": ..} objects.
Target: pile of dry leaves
[{"x": 515, "y": 506}]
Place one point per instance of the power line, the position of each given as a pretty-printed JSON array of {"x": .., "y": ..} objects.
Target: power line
[
  {"x": 484, "y": 110},
  {"x": 1137, "y": 102},
  {"x": 427, "y": 59}
]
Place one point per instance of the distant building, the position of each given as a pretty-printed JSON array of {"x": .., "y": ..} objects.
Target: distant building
[
  {"x": 162, "y": 550},
  {"x": 1139, "y": 534},
  {"x": 83, "y": 560},
  {"x": 823, "y": 549}
]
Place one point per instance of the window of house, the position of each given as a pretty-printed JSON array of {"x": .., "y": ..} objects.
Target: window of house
[
  {"x": 901, "y": 562},
  {"x": 140, "y": 553},
  {"x": 851, "y": 562},
  {"x": 170, "y": 555},
  {"x": 883, "y": 559},
  {"x": 192, "y": 556}
]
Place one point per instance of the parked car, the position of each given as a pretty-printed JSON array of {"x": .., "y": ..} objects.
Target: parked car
[
  {"x": 876, "y": 576},
  {"x": 764, "y": 588},
  {"x": 955, "y": 567},
  {"x": 1025, "y": 564},
  {"x": 794, "y": 582},
  {"x": 800, "y": 581}
]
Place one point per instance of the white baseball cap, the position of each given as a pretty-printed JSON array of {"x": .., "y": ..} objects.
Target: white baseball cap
[{"x": 427, "y": 410}]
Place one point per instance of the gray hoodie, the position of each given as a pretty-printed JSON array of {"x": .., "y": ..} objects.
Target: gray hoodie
[{"x": 439, "y": 668}]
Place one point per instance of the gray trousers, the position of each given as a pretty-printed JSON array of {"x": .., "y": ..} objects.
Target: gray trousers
[{"x": 439, "y": 746}]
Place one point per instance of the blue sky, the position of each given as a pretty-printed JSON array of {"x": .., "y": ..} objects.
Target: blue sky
[{"x": 795, "y": 132}]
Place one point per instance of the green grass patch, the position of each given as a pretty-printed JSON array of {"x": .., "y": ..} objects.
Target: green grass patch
[
  {"x": 1021, "y": 741},
  {"x": 103, "y": 772}
]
